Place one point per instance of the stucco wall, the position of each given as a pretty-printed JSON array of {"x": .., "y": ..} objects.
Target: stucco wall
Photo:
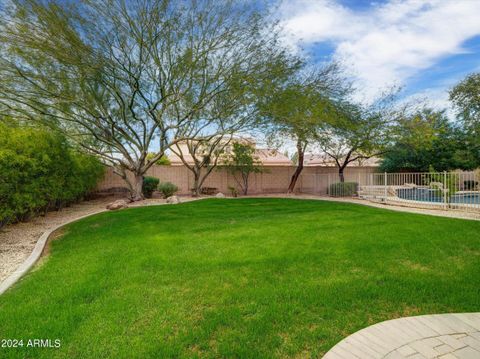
[{"x": 274, "y": 180}]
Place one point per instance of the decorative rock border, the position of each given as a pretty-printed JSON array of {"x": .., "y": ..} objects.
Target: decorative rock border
[
  {"x": 446, "y": 336},
  {"x": 36, "y": 253}
]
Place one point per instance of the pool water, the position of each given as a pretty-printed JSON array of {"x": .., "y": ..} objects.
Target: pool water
[
  {"x": 432, "y": 195},
  {"x": 471, "y": 198}
]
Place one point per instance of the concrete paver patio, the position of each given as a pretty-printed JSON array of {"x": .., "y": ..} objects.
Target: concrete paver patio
[{"x": 445, "y": 336}]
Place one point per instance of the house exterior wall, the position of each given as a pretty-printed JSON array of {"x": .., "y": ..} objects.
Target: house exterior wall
[{"x": 275, "y": 180}]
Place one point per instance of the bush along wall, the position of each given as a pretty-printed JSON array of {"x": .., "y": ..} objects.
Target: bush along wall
[
  {"x": 167, "y": 189},
  {"x": 149, "y": 186},
  {"x": 40, "y": 171},
  {"x": 343, "y": 189}
]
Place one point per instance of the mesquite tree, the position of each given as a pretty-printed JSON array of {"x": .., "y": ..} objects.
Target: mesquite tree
[
  {"x": 358, "y": 133},
  {"x": 125, "y": 78},
  {"x": 201, "y": 156},
  {"x": 465, "y": 97},
  {"x": 241, "y": 163},
  {"x": 297, "y": 108}
]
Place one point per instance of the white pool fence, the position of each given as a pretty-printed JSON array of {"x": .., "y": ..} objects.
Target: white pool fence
[{"x": 436, "y": 190}]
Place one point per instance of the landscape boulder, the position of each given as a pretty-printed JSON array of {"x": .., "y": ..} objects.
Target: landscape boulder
[
  {"x": 220, "y": 195},
  {"x": 118, "y": 204},
  {"x": 173, "y": 200}
]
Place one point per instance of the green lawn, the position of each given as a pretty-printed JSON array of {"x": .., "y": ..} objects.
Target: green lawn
[{"x": 247, "y": 278}]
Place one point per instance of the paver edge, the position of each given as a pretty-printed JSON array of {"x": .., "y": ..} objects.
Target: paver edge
[{"x": 339, "y": 345}]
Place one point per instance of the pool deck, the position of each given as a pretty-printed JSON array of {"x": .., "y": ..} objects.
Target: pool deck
[{"x": 445, "y": 336}]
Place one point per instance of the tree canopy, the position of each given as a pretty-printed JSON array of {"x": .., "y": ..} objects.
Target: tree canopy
[
  {"x": 241, "y": 163},
  {"x": 201, "y": 156},
  {"x": 298, "y": 107},
  {"x": 427, "y": 140},
  {"x": 359, "y": 131},
  {"x": 466, "y": 98},
  {"x": 116, "y": 76}
]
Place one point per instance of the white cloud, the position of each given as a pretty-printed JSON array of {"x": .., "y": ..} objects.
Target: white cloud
[
  {"x": 388, "y": 43},
  {"x": 436, "y": 98}
]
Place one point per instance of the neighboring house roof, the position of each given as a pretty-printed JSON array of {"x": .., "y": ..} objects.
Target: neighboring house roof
[
  {"x": 176, "y": 161},
  {"x": 268, "y": 157},
  {"x": 322, "y": 160}
]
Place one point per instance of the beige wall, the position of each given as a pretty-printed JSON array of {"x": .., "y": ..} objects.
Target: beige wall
[{"x": 276, "y": 179}]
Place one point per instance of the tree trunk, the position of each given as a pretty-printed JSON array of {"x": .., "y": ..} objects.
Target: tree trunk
[
  {"x": 245, "y": 185},
  {"x": 135, "y": 188},
  {"x": 298, "y": 170},
  {"x": 196, "y": 184},
  {"x": 344, "y": 164},
  {"x": 243, "y": 181},
  {"x": 136, "y": 193}
]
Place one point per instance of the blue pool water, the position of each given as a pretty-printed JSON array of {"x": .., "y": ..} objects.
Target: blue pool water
[
  {"x": 473, "y": 198},
  {"x": 431, "y": 195}
]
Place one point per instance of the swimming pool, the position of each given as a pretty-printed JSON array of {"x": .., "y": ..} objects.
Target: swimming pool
[
  {"x": 435, "y": 196},
  {"x": 468, "y": 198}
]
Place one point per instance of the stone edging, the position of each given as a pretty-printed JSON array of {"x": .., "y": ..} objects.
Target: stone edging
[
  {"x": 36, "y": 253},
  {"x": 40, "y": 245}
]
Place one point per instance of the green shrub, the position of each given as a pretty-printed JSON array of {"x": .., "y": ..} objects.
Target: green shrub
[
  {"x": 163, "y": 161},
  {"x": 40, "y": 171},
  {"x": 343, "y": 189},
  {"x": 167, "y": 189},
  {"x": 149, "y": 185},
  {"x": 233, "y": 191}
]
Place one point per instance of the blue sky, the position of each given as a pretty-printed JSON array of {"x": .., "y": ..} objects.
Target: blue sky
[{"x": 423, "y": 46}]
